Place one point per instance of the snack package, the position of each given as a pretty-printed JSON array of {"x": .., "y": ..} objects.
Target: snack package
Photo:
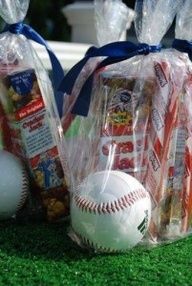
[
  {"x": 131, "y": 123},
  {"x": 29, "y": 108}
]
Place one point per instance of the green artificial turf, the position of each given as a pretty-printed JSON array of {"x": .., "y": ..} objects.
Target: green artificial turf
[{"x": 43, "y": 254}]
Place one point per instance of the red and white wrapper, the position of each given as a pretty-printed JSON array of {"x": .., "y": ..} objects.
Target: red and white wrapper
[
  {"x": 122, "y": 144},
  {"x": 162, "y": 146},
  {"x": 187, "y": 180}
]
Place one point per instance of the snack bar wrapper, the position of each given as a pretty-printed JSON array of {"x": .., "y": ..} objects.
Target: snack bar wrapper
[{"x": 29, "y": 108}]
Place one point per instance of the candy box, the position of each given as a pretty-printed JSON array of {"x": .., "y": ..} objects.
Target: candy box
[{"x": 124, "y": 126}]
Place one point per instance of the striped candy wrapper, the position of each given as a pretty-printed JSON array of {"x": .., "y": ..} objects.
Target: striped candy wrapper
[
  {"x": 187, "y": 181},
  {"x": 163, "y": 118}
]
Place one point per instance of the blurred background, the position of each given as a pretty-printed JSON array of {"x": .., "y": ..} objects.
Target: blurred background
[
  {"x": 68, "y": 26},
  {"x": 47, "y": 17}
]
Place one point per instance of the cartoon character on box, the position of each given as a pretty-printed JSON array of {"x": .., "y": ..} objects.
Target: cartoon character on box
[
  {"x": 49, "y": 172},
  {"x": 119, "y": 111},
  {"x": 45, "y": 166}
]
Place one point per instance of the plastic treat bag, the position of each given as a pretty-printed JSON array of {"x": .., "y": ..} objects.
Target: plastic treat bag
[
  {"x": 138, "y": 134},
  {"x": 134, "y": 112},
  {"x": 112, "y": 18},
  {"x": 169, "y": 74},
  {"x": 183, "y": 34},
  {"x": 27, "y": 98}
]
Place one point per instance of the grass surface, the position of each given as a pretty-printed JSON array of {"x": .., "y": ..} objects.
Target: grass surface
[{"x": 42, "y": 254}]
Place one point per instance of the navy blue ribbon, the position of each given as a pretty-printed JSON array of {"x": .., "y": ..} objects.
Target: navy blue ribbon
[
  {"x": 114, "y": 53},
  {"x": 57, "y": 70},
  {"x": 183, "y": 46}
]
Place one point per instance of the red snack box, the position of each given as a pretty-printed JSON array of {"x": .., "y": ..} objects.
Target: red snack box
[{"x": 125, "y": 123}]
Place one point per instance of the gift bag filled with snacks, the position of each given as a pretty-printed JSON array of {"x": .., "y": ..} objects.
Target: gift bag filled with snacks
[
  {"x": 182, "y": 180},
  {"x": 112, "y": 19},
  {"x": 28, "y": 104},
  {"x": 126, "y": 117}
]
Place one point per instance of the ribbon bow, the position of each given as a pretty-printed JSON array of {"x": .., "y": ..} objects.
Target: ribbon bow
[
  {"x": 114, "y": 53},
  {"x": 183, "y": 46},
  {"x": 57, "y": 71}
]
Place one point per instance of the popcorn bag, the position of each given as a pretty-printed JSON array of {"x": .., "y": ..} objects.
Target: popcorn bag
[
  {"x": 127, "y": 116},
  {"x": 27, "y": 100}
]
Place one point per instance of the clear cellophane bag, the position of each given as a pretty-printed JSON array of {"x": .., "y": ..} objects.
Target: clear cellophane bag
[
  {"x": 182, "y": 191},
  {"x": 29, "y": 108},
  {"x": 135, "y": 123}
]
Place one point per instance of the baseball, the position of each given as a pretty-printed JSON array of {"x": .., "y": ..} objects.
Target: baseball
[
  {"x": 13, "y": 185},
  {"x": 110, "y": 211}
]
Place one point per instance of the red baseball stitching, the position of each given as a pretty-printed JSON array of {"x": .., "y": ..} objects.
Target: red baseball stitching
[
  {"x": 25, "y": 188},
  {"x": 109, "y": 207}
]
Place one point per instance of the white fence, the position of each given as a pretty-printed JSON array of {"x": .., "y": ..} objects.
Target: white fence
[{"x": 67, "y": 53}]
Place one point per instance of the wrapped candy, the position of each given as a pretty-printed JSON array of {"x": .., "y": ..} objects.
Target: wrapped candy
[
  {"x": 128, "y": 111},
  {"x": 28, "y": 101}
]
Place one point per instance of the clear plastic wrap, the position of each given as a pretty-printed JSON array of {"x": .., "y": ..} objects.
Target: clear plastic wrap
[
  {"x": 112, "y": 19},
  {"x": 28, "y": 102},
  {"x": 132, "y": 127},
  {"x": 183, "y": 35},
  {"x": 183, "y": 27}
]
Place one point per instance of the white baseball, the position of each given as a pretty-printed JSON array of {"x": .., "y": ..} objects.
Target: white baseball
[
  {"x": 13, "y": 185},
  {"x": 110, "y": 211}
]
